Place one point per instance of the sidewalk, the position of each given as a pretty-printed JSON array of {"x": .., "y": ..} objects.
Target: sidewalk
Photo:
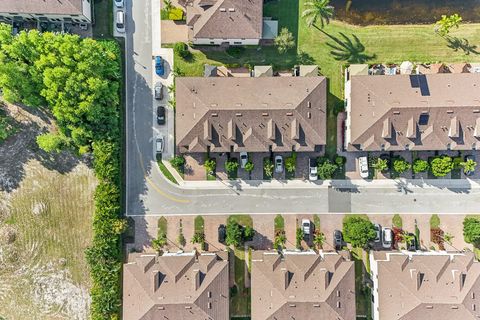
[{"x": 402, "y": 183}]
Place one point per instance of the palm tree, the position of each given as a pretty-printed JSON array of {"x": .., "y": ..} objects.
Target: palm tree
[
  {"x": 168, "y": 5},
  {"x": 318, "y": 10},
  {"x": 319, "y": 239}
]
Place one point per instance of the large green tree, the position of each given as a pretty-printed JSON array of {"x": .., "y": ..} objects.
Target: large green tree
[
  {"x": 76, "y": 78},
  {"x": 358, "y": 231},
  {"x": 317, "y": 11},
  {"x": 284, "y": 41},
  {"x": 471, "y": 230}
]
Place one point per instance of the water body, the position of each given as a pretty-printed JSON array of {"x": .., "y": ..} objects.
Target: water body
[{"x": 368, "y": 12}]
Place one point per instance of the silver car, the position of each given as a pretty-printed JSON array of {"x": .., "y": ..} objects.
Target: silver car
[
  {"x": 158, "y": 91},
  {"x": 387, "y": 238},
  {"x": 278, "y": 164},
  {"x": 363, "y": 167},
  {"x": 243, "y": 159}
]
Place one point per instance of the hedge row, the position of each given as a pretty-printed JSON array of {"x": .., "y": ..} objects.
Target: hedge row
[{"x": 104, "y": 256}]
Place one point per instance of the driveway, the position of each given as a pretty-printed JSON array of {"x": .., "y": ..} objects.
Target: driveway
[{"x": 174, "y": 32}]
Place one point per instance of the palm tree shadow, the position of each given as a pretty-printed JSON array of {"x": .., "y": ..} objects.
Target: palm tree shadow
[
  {"x": 348, "y": 49},
  {"x": 456, "y": 44}
]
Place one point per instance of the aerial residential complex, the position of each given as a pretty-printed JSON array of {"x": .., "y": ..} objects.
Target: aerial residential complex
[
  {"x": 264, "y": 114},
  {"x": 79, "y": 11},
  {"x": 239, "y": 160}
]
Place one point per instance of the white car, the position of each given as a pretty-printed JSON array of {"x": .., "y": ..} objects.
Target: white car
[
  {"x": 120, "y": 22},
  {"x": 119, "y": 3},
  {"x": 312, "y": 170},
  {"x": 159, "y": 144},
  {"x": 243, "y": 159},
  {"x": 363, "y": 167},
  {"x": 278, "y": 164},
  {"x": 306, "y": 227},
  {"x": 387, "y": 238}
]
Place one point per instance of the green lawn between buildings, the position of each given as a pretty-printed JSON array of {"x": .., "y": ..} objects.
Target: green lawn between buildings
[{"x": 339, "y": 44}]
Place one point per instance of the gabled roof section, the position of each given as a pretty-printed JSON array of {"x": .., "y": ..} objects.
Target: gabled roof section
[
  {"x": 42, "y": 6},
  {"x": 438, "y": 285},
  {"x": 176, "y": 286},
  {"x": 442, "y": 107},
  {"x": 226, "y": 19},
  {"x": 302, "y": 285},
  {"x": 250, "y": 114}
]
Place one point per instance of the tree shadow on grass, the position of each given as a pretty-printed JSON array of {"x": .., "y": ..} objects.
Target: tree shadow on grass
[
  {"x": 457, "y": 44},
  {"x": 348, "y": 49}
]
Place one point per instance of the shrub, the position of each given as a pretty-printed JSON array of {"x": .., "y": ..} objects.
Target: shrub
[
  {"x": 358, "y": 231},
  {"x": 468, "y": 166},
  {"x": 181, "y": 239},
  {"x": 178, "y": 162},
  {"x": 380, "y": 164},
  {"x": 284, "y": 41},
  {"x": 397, "y": 221},
  {"x": 326, "y": 169},
  {"x": 176, "y": 14},
  {"x": 198, "y": 237},
  {"x": 400, "y": 165},
  {"x": 279, "y": 240},
  {"x": 249, "y": 166},
  {"x": 181, "y": 49},
  {"x": 299, "y": 238},
  {"x": 235, "y": 51},
  {"x": 471, "y": 230},
  {"x": 210, "y": 165},
  {"x": 441, "y": 166},
  {"x": 436, "y": 235},
  {"x": 231, "y": 165},
  {"x": 434, "y": 221},
  {"x": 234, "y": 234},
  {"x": 340, "y": 161},
  {"x": 248, "y": 233},
  {"x": 291, "y": 162},
  {"x": 420, "y": 165},
  {"x": 268, "y": 167}
]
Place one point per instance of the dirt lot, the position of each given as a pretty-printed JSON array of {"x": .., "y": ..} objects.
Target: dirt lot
[{"x": 46, "y": 206}]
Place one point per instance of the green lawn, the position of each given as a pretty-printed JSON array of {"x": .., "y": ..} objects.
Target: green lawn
[
  {"x": 241, "y": 219},
  {"x": 199, "y": 224},
  {"x": 338, "y": 45},
  {"x": 166, "y": 172},
  {"x": 103, "y": 15},
  {"x": 362, "y": 293},
  {"x": 162, "y": 225},
  {"x": 240, "y": 302},
  {"x": 279, "y": 223}
]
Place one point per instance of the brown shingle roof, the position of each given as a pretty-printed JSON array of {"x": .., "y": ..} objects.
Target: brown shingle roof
[
  {"x": 42, "y": 6},
  {"x": 428, "y": 286},
  {"x": 250, "y": 114},
  {"x": 176, "y": 286},
  {"x": 426, "y": 112},
  {"x": 226, "y": 19},
  {"x": 303, "y": 286}
]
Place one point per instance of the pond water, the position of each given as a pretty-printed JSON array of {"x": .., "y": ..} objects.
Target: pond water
[{"x": 363, "y": 12}]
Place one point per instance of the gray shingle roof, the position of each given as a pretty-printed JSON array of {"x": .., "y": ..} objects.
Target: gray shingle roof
[
  {"x": 415, "y": 112},
  {"x": 226, "y": 19},
  {"x": 42, "y": 6},
  {"x": 303, "y": 286},
  {"x": 176, "y": 286},
  {"x": 250, "y": 114}
]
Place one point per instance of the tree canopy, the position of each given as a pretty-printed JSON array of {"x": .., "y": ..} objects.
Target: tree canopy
[
  {"x": 358, "y": 231},
  {"x": 76, "y": 78},
  {"x": 471, "y": 230}
]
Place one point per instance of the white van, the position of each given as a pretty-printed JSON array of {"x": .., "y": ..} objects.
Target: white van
[
  {"x": 120, "y": 21},
  {"x": 159, "y": 143}
]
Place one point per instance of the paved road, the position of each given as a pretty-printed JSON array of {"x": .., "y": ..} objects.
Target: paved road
[{"x": 148, "y": 193}]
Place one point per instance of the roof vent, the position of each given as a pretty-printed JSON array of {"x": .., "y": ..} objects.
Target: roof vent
[
  {"x": 238, "y": 104},
  {"x": 429, "y": 307},
  {"x": 265, "y": 114},
  {"x": 231, "y": 9},
  {"x": 316, "y": 305},
  {"x": 289, "y": 114},
  {"x": 215, "y": 114},
  {"x": 309, "y": 115},
  {"x": 454, "y": 307},
  {"x": 449, "y": 111},
  {"x": 476, "y": 111},
  {"x": 223, "y": 10},
  {"x": 238, "y": 114},
  {"x": 214, "y": 105},
  {"x": 396, "y": 112},
  {"x": 161, "y": 308},
  {"x": 292, "y": 305}
]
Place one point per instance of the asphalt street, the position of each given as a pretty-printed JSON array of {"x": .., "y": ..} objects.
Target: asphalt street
[{"x": 149, "y": 193}]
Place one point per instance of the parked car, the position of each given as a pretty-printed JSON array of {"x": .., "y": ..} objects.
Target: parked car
[
  {"x": 363, "y": 167},
  {"x": 119, "y": 3},
  {"x": 161, "y": 119},
  {"x": 312, "y": 169},
  {"x": 222, "y": 233},
  {"x": 337, "y": 239},
  {"x": 159, "y": 69},
  {"x": 378, "y": 231},
  {"x": 278, "y": 164},
  {"x": 387, "y": 238},
  {"x": 159, "y": 143},
  {"x": 307, "y": 229},
  {"x": 158, "y": 91},
  {"x": 243, "y": 159},
  {"x": 412, "y": 244},
  {"x": 120, "y": 24},
  {"x": 469, "y": 157}
]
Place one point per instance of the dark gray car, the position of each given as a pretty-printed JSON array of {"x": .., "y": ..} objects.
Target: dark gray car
[
  {"x": 158, "y": 91},
  {"x": 337, "y": 239}
]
